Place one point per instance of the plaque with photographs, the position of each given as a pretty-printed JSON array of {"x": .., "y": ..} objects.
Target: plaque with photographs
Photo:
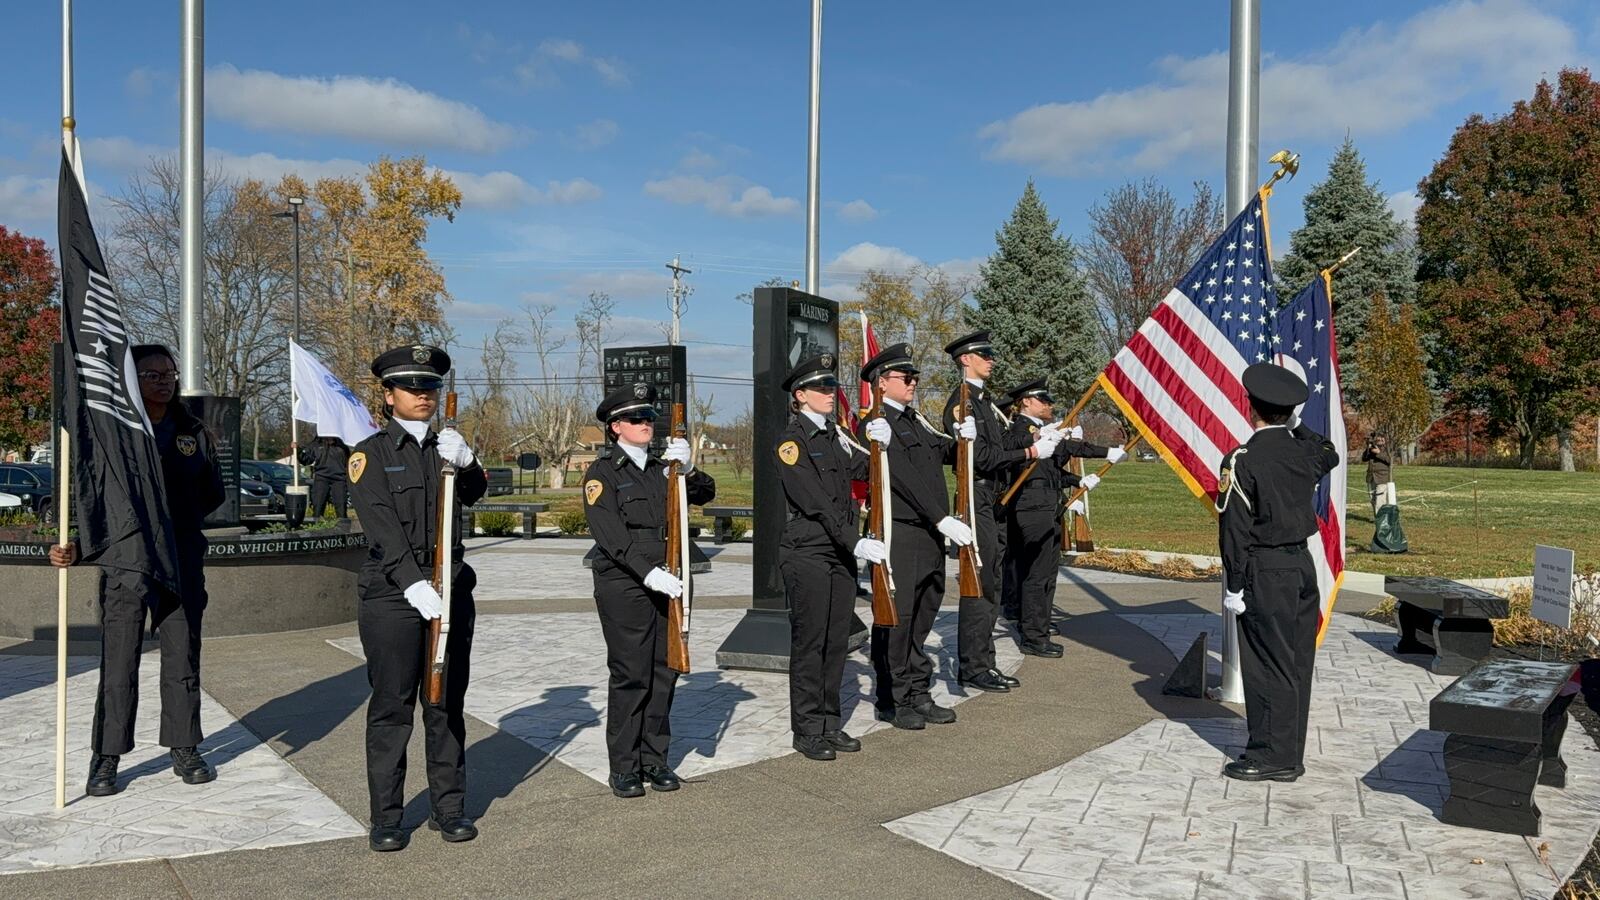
[{"x": 665, "y": 366}]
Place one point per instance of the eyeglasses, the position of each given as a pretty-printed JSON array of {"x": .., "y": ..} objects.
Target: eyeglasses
[
  {"x": 908, "y": 379},
  {"x": 825, "y": 384},
  {"x": 155, "y": 377},
  {"x": 639, "y": 420}
]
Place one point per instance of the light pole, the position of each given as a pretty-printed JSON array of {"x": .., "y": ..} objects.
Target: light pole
[
  {"x": 293, "y": 212},
  {"x": 295, "y": 498}
]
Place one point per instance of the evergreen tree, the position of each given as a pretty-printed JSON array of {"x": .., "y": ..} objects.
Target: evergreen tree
[
  {"x": 1035, "y": 305},
  {"x": 1344, "y": 212}
]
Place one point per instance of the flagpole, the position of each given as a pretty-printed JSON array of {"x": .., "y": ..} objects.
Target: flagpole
[{"x": 63, "y": 458}]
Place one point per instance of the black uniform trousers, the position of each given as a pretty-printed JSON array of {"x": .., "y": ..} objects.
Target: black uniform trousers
[
  {"x": 1035, "y": 553},
  {"x": 821, "y": 588},
  {"x": 324, "y": 489},
  {"x": 394, "y": 637},
  {"x": 899, "y": 654},
  {"x": 633, "y": 620},
  {"x": 976, "y": 618},
  {"x": 1278, "y": 642},
  {"x": 125, "y": 599}
]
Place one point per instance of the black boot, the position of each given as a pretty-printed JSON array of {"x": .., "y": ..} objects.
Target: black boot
[
  {"x": 387, "y": 838},
  {"x": 938, "y": 715},
  {"x": 662, "y": 778},
  {"x": 1005, "y": 679},
  {"x": 813, "y": 746},
  {"x": 626, "y": 784},
  {"x": 987, "y": 681},
  {"x": 454, "y": 829},
  {"x": 188, "y": 765},
  {"x": 841, "y": 742},
  {"x": 102, "y": 776}
]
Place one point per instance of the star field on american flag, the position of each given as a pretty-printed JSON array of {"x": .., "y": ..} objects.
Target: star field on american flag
[{"x": 1232, "y": 286}]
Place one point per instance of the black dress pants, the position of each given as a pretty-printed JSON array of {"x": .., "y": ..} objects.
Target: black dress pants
[
  {"x": 1278, "y": 646},
  {"x": 899, "y": 654},
  {"x": 633, "y": 620},
  {"x": 975, "y": 628},
  {"x": 325, "y": 489},
  {"x": 125, "y": 599},
  {"x": 821, "y": 587},
  {"x": 1035, "y": 545}
]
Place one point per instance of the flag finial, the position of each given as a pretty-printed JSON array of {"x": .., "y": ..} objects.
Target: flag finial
[{"x": 1288, "y": 164}]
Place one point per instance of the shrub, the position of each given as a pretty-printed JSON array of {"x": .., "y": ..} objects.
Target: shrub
[
  {"x": 738, "y": 528},
  {"x": 573, "y": 521},
  {"x": 498, "y": 524}
]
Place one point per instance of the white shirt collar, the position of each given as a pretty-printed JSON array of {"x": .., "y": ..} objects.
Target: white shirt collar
[
  {"x": 637, "y": 454},
  {"x": 976, "y": 382},
  {"x": 418, "y": 430},
  {"x": 816, "y": 418},
  {"x": 1267, "y": 427},
  {"x": 898, "y": 406},
  {"x": 1035, "y": 421}
]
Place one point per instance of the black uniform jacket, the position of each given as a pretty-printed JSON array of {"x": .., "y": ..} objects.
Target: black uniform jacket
[
  {"x": 997, "y": 448},
  {"x": 394, "y": 482},
  {"x": 326, "y": 460},
  {"x": 190, "y": 472},
  {"x": 816, "y": 467},
  {"x": 627, "y": 510},
  {"x": 1265, "y": 494},
  {"x": 918, "y": 453},
  {"x": 1043, "y": 489}
]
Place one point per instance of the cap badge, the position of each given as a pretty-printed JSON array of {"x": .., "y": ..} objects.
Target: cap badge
[
  {"x": 641, "y": 391},
  {"x": 420, "y": 355}
]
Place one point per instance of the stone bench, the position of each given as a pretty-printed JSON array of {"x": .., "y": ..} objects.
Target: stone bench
[
  {"x": 722, "y": 520},
  {"x": 530, "y": 515},
  {"x": 1445, "y": 619},
  {"x": 1505, "y": 720}
]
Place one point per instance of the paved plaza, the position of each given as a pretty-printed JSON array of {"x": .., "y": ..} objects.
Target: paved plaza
[{"x": 1086, "y": 782}]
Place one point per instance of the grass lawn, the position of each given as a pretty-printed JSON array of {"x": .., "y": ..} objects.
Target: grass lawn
[{"x": 1143, "y": 505}]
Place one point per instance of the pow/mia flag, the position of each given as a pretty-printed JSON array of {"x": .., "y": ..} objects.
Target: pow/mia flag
[{"x": 121, "y": 501}]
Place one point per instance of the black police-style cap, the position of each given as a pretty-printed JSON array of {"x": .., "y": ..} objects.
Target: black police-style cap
[
  {"x": 418, "y": 366},
  {"x": 971, "y": 343},
  {"x": 631, "y": 400},
  {"x": 893, "y": 358},
  {"x": 809, "y": 372},
  {"x": 1035, "y": 388},
  {"x": 1274, "y": 385}
]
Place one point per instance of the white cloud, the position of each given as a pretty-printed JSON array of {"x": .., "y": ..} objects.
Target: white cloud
[
  {"x": 857, "y": 211},
  {"x": 504, "y": 190},
  {"x": 728, "y": 195},
  {"x": 381, "y": 111},
  {"x": 843, "y": 272},
  {"x": 539, "y": 70},
  {"x": 1404, "y": 204},
  {"x": 591, "y": 135},
  {"x": 142, "y": 82},
  {"x": 699, "y": 160},
  {"x": 1372, "y": 81},
  {"x": 623, "y": 285},
  {"x": 29, "y": 202}
]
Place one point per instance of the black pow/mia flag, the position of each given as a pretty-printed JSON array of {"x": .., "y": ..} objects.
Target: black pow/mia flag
[{"x": 121, "y": 500}]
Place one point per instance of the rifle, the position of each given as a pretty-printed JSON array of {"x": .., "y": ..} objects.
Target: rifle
[
  {"x": 1104, "y": 469},
  {"x": 970, "y": 564},
  {"x": 443, "y": 569},
  {"x": 878, "y": 525},
  {"x": 1075, "y": 533},
  {"x": 677, "y": 561},
  {"x": 1066, "y": 420}
]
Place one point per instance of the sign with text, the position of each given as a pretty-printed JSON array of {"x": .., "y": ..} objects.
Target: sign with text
[{"x": 1552, "y": 585}]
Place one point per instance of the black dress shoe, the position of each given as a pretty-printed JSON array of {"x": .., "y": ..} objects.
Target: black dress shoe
[
  {"x": 908, "y": 719},
  {"x": 1049, "y": 650},
  {"x": 1249, "y": 770},
  {"x": 841, "y": 742},
  {"x": 662, "y": 778},
  {"x": 387, "y": 838},
  {"x": 188, "y": 765},
  {"x": 986, "y": 681},
  {"x": 882, "y": 714},
  {"x": 1005, "y": 679},
  {"x": 626, "y": 784},
  {"x": 813, "y": 746},
  {"x": 102, "y": 776},
  {"x": 938, "y": 715},
  {"x": 454, "y": 829}
]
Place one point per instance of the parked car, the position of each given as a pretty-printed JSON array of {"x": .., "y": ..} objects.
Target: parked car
[
  {"x": 1145, "y": 454},
  {"x": 35, "y": 484},
  {"x": 10, "y": 501},
  {"x": 501, "y": 481},
  {"x": 274, "y": 473},
  {"x": 257, "y": 498}
]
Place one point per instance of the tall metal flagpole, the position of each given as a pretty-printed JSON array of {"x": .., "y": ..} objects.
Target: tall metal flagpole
[
  {"x": 1244, "y": 120},
  {"x": 63, "y": 458},
  {"x": 814, "y": 162},
  {"x": 191, "y": 164}
]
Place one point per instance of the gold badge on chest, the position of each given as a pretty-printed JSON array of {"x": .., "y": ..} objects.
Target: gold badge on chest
[{"x": 187, "y": 445}]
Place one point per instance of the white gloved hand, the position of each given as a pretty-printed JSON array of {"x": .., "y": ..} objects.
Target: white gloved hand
[
  {"x": 425, "y": 600},
  {"x": 1052, "y": 428},
  {"x": 453, "y": 448},
  {"x": 872, "y": 551},
  {"x": 1078, "y": 508},
  {"x": 678, "y": 452},
  {"x": 1233, "y": 601},
  {"x": 956, "y": 530},
  {"x": 1046, "y": 445},
  {"x": 878, "y": 430},
  {"x": 1294, "y": 420},
  {"x": 968, "y": 429},
  {"x": 1115, "y": 455},
  {"x": 1089, "y": 481},
  {"x": 1075, "y": 433},
  {"x": 663, "y": 582}
]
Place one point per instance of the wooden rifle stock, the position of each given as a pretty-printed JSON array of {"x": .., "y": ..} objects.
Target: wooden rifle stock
[
  {"x": 1078, "y": 537},
  {"x": 443, "y": 546},
  {"x": 878, "y": 519},
  {"x": 1066, "y": 422},
  {"x": 677, "y": 562},
  {"x": 969, "y": 563}
]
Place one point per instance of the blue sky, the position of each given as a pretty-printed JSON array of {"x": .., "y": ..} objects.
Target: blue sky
[{"x": 596, "y": 140}]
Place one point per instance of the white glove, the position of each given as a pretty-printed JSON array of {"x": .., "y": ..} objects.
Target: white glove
[
  {"x": 1294, "y": 420},
  {"x": 425, "y": 600},
  {"x": 968, "y": 429},
  {"x": 1089, "y": 481},
  {"x": 1115, "y": 455},
  {"x": 1052, "y": 428},
  {"x": 955, "y": 529},
  {"x": 453, "y": 448},
  {"x": 1233, "y": 601},
  {"x": 663, "y": 582},
  {"x": 1046, "y": 445},
  {"x": 678, "y": 452},
  {"x": 869, "y": 550},
  {"x": 878, "y": 430},
  {"x": 1075, "y": 433},
  {"x": 1078, "y": 508}
]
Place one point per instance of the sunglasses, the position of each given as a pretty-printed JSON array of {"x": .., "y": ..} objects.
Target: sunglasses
[
  {"x": 908, "y": 379},
  {"x": 639, "y": 420},
  {"x": 824, "y": 385},
  {"x": 983, "y": 354}
]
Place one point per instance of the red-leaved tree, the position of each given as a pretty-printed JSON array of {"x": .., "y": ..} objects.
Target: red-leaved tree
[{"x": 29, "y": 324}]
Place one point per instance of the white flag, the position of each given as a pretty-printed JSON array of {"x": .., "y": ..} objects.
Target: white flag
[{"x": 321, "y": 398}]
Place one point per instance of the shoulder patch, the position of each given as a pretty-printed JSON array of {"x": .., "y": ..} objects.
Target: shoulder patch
[
  {"x": 358, "y": 464},
  {"x": 1227, "y": 482},
  {"x": 592, "y": 489},
  {"x": 789, "y": 452}
]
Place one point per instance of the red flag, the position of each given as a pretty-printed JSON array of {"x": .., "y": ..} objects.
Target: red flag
[{"x": 869, "y": 349}]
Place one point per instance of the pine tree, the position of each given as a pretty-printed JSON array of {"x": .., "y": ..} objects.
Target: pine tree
[
  {"x": 1344, "y": 212},
  {"x": 1035, "y": 305}
]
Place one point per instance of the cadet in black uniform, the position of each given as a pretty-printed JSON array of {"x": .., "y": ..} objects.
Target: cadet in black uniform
[
  {"x": 394, "y": 476},
  {"x": 994, "y": 450},
  {"x": 920, "y": 511},
  {"x": 193, "y": 485},
  {"x": 821, "y": 544},
  {"x": 625, "y": 498},
  {"x": 1266, "y": 513},
  {"x": 1034, "y": 541},
  {"x": 328, "y": 458}
]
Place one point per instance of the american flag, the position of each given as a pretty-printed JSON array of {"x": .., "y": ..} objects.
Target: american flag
[
  {"x": 869, "y": 349},
  {"x": 1177, "y": 380},
  {"x": 1305, "y": 345}
]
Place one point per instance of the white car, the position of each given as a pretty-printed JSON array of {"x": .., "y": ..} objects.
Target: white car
[{"x": 10, "y": 501}]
